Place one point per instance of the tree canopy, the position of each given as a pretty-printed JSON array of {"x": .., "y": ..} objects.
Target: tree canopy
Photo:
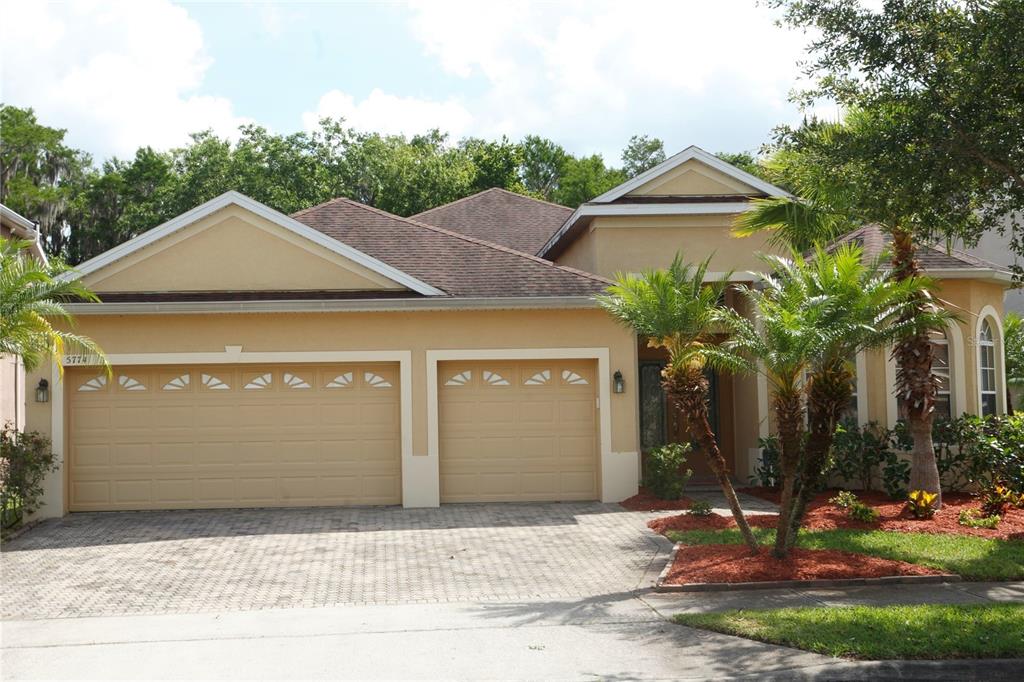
[
  {"x": 939, "y": 86},
  {"x": 84, "y": 208}
]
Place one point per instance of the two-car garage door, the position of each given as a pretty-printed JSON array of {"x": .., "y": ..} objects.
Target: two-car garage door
[
  {"x": 234, "y": 436},
  {"x": 166, "y": 437}
]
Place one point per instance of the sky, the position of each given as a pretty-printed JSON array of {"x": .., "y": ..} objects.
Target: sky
[{"x": 586, "y": 74}]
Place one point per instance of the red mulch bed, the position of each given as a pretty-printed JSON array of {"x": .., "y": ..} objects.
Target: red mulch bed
[
  {"x": 894, "y": 516},
  {"x": 734, "y": 564},
  {"x": 645, "y": 501}
]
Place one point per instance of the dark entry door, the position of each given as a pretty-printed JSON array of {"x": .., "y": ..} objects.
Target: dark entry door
[{"x": 661, "y": 424}]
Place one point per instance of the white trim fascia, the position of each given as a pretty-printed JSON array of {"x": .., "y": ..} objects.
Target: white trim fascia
[
  {"x": 604, "y": 378},
  {"x": 57, "y": 435},
  {"x": 989, "y": 312},
  {"x": 969, "y": 273},
  {"x": 233, "y": 198},
  {"x": 18, "y": 220},
  {"x": 235, "y": 355},
  {"x": 327, "y": 306},
  {"x": 26, "y": 229},
  {"x": 690, "y": 153},
  {"x": 590, "y": 210}
]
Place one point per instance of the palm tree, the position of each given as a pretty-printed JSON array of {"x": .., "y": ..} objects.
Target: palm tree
[
  {"x": 675, "y": 309},
  {"x": 812, "y": 316},
  {"x": 32, "y": 298},
  {"x": 827, "y": 206}
]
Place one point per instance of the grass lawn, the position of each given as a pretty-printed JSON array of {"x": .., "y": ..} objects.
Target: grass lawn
[
  {"x": 972, "y": 558},
  {"x": 929, "y": 631}
]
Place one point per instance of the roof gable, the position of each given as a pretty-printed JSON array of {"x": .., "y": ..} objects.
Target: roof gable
[
  {"x": 694, "y": 178},
  {"x": 725, "y": 172},
  {"x": 230, "y": 229},
  {"x": 501, "y": 217}
]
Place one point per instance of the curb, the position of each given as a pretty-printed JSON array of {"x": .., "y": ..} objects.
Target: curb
[{"x": 662, "y": 586}]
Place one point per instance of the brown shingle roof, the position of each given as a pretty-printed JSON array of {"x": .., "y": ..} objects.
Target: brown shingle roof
[
  {"x": 458, "y": 264},
  {"x": 501, "y": 217},
  {"x": 876, "y": 241}
]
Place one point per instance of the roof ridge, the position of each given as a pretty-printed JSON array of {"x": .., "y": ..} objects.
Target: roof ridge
[
  {"x": 485, "y": 191},
  {"x": 471, "y": 240}
]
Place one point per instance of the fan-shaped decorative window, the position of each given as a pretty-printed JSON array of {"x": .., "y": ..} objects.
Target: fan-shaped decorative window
[
  {"x": 129, "y": 384},
  {"x": 570, "y": 377},
  {"x": 94, "y": 384},
  {"x": 341, "y": 381},
  {"x": 539, "y": 379},
  {"x": 214, "y": 383},
  {"x": 460, "y": 379},
  {"x": 293, "y": 381},
  {"x": 376, "y": 380},
  {"x": 259, "y": 382},
  {"x": 178, "y": 383},
  {"x": 495, "y": 379}
]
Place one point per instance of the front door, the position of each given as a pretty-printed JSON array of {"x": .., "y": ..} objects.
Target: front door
[{"x": 661, "y": 423}]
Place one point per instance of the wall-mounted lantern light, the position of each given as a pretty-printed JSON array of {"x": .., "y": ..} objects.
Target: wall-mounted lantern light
[
  {"x": 43, "y": 391},
  {"x": 618, "y": 383}
]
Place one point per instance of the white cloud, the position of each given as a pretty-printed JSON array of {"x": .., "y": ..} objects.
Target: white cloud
[
  {"x": 389, "y": 114},
  {"x": 578, "y": 71},
  {"x": 116, "y": 74}
]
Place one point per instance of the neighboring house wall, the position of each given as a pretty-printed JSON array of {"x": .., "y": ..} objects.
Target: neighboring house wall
[
  {"x": 995, "y": 247},
  {"x": 415, "y": 332}
]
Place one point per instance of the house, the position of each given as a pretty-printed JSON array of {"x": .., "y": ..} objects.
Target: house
[
  {"x": 346, "y": 356},
  {"x": 12, "y": 372}
]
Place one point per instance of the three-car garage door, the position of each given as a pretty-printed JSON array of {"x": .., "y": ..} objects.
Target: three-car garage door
[
  {"x": 234, "y": 436},
  {"x": 523, "y": 431}
]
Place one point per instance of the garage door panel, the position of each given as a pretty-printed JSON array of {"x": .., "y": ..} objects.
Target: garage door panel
[
  {"x": 131, "y": 454},
  {"x": 197, "y": 437},
  {"x": 517, "y": 431}
]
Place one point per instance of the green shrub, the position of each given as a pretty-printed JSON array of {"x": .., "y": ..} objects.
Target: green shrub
[
  {"x": 858, "y": 511},
  {"x": 972, "y": 518},
  {"x": 858, "y": 451},
  {"x": 700, "y": 508},
  {"x": 665, "y": 473},
  {"x": 767, "y": 472},
  {"x": 921, "y": 504},
  {"x": 844, "y": 499},
  {"x": 25, "y": 459}
]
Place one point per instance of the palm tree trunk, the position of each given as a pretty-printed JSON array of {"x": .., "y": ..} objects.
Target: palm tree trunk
[
  {"x": 829, "y": 392},
  {"x": 687, "y": 389},
  {"x": 915, "y": 381},
  {"x": 789, "y": 413}
]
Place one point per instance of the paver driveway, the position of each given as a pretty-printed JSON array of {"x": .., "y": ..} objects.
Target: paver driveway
[{"x": 191, "y": 561}]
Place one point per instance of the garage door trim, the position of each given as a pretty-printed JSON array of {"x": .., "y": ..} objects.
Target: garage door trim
[
  {"x": 603, "y": 395},
  {"x": 412, "y": 495}
]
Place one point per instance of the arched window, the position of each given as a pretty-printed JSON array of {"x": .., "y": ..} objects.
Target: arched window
[
  {"x": 940, "y": 368},
  {"x": 987, "y": 369}
]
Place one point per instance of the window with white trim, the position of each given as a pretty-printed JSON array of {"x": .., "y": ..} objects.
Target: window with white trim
[
  {"x": 941, "y": 368},
  {"x": 987, "y": 369}
]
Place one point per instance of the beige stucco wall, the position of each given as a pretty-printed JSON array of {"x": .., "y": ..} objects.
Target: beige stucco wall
[
  {"x": 235, "y": 250},
  {"x": 417, "y": 332},
  {"x": 631, "y": 244}
]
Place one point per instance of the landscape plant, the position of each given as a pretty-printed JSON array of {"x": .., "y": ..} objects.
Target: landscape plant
[
  {"x": 665, "y": 472},
  {"x": 25, "y": 460},
  {"x": 679, "y": 310}
]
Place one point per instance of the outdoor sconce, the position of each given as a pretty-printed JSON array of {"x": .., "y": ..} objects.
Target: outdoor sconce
[
  {"x": 618, "y": 383},
  {"x": 43, "y": 391}
]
